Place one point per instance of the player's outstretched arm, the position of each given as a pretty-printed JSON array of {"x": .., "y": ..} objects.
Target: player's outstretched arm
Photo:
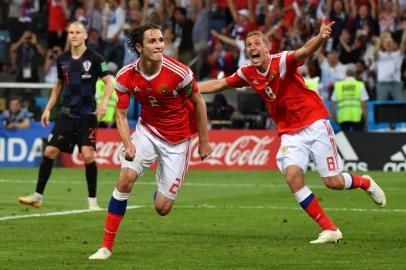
[
  {"x": 125, "y": 133},
  {"x": 56, "y": 90},
  {"x": 213, "y": 86},
  {"x": 201, "y": 123},
  {"x": 314, "y": 43}
]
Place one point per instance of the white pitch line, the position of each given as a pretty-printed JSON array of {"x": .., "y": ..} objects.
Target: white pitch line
[
  {"x": 203, "y": 206},
  {"x": 226, "y": 185}
]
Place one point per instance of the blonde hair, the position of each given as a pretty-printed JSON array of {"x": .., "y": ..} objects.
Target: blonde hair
[{"x": 260, "y": 34}]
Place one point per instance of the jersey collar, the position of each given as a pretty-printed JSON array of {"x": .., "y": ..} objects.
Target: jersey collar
[
  {"x": 264, "y": 74},
  {"x": 146, "y": 77}
]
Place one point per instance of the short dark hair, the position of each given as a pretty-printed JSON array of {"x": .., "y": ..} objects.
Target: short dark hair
[
  {"x": 14, "y": 98},
  {"x": 136, "y": 36}
]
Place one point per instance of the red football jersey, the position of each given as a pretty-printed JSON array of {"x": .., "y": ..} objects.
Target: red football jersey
[
  {"x": 290, "y": 103},
  {"x": 164, "y": 97}
]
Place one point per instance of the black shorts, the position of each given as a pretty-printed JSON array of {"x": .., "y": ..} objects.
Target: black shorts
[{"x": 68, "y": 132}]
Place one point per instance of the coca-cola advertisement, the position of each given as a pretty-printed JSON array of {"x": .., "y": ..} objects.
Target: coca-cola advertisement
[{"x": 232, "y": 149}]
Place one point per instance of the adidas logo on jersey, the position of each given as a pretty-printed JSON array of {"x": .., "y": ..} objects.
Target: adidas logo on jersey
[{"x": 398, "y": 161}]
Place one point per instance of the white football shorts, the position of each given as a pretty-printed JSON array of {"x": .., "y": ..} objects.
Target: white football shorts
[
  {"x": 173, "y": 160},
  {"x": 315, "y": 142}
]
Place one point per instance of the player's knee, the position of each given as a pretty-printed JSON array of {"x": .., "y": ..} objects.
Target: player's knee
[
  {"x": 51, "y": 152},
  {"x": 333, "y": 182},
  {"x": 88, "y": 158},
  {"x": 126, "y": 181}
]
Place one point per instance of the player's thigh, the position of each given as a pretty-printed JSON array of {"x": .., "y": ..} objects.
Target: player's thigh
[
  {"x": 61, "y": 136},
  {"x": 324, "y": 150},
  {"x": 293, "y": 151},
  {"x": 85, "y": 131},
  {"x": 173, "y": 163},
  {"x": 145, "y": 153}
]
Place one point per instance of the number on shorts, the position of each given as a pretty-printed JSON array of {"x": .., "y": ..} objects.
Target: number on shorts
[
  {"x": 92, "y": 135},
  {"x": 331, "y": 165},
  {"x": 175, "y": 186}
]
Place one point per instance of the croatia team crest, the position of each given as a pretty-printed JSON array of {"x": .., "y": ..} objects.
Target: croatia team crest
[{"x": 86, "y": 65}]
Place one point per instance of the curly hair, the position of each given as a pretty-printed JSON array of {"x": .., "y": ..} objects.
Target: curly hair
[{"x": 137, "y": 36}]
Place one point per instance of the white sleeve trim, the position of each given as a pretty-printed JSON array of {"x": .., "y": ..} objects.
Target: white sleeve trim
[
  {"x": 241, "y": 75},
  {"x": 282, "y": 64},
  {"x": 187, "y": 79},
  {"x": 121, "y": 88}
]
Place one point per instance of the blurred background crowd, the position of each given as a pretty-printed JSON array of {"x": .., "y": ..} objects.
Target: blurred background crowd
[{"x": 368, "y": 41}]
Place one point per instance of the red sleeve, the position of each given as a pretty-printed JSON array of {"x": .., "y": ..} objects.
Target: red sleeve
[
  {"x": 123, "y": 100},
  {"x": 122, "y": 91},
  {"x": 237, "y": 79},
  {"x": 291, "y": 62}
]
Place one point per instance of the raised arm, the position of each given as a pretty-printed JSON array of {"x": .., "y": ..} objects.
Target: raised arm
[
  {"x": 314, "y": 43},
  {"x": 224, "y": 38},
  {"x": 201, "y": 124},
  {"x": 213, "y": 86}
]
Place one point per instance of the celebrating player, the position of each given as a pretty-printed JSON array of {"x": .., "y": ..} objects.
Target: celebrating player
[
  {"x": 300, "y": 116},
  {"x": 78, "y": 71},
  {"x": 169, "y": 100}
]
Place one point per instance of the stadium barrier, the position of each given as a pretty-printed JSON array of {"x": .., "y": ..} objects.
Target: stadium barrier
[{"x": 233, "y": 149}]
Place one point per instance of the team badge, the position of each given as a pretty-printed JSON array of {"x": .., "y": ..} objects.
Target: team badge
[
  {"x": 86, "y": 65},
  {"x": 163, "y": 89},
  {"x": 283, "y": 149},
  {"x": 272, "y": 75}
]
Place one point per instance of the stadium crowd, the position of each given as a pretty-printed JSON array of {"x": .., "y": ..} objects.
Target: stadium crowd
[{"x": 369, "y": 36}]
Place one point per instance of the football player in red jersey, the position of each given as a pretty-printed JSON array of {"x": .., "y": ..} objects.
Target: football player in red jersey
[
  {"x": 172, "y": 109},
  {"x": 301, "y": 120}
]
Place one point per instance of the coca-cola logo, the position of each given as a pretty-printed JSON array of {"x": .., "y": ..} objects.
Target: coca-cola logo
[
  {"x": 245, "y": 150},
  {"x": 107, "y": 153}
]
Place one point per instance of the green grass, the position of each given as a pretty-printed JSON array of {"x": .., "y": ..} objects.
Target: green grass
[{"x": 221, "y": 220}]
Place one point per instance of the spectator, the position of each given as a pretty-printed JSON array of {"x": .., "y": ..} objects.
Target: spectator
[
  {"x": 388, "y": 15},
  {"x": 351, "y": 112},
  {"x": 237, "y": 43},
  {"x": 170, "y": 48},
  {"x": 351, "y": 53},
  {"x": 220, "y": 113},
  {"x": 183, "y": 35},
  {"x": 388, "y": 62},
  {"x": 29, "y": 54},
  {"x": 50, "y": 69},
  {"x": 113, "y": 23},
  {"x": 15, "y": 116},
  {"x": 30, "y": 105},
  {"x": 59, "y": 13},
  {"x": 331, "y": 71},
  {"x": 221, "y": 61},
  {"x": 19, "y": 21}
]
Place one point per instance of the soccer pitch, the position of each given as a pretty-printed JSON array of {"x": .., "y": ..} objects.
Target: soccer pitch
[{"x": 221, "y": 220}]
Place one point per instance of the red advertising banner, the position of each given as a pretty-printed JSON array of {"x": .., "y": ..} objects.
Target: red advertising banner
[{"x": 232, "y": 149}]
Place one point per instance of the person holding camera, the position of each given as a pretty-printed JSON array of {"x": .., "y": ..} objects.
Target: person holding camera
[
  {"x": 50, "y": 69},
  {"x": 29, "y": 53}
]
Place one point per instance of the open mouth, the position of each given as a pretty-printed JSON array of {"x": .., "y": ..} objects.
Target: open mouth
[{"x": 255, "y": 56}]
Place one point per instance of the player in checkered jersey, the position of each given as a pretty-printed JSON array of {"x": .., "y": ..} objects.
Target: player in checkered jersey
[
  {"x": 301, "y": 120},
  {"x": 172, "y": 109},
  {"x": 79, "y": 68}
]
